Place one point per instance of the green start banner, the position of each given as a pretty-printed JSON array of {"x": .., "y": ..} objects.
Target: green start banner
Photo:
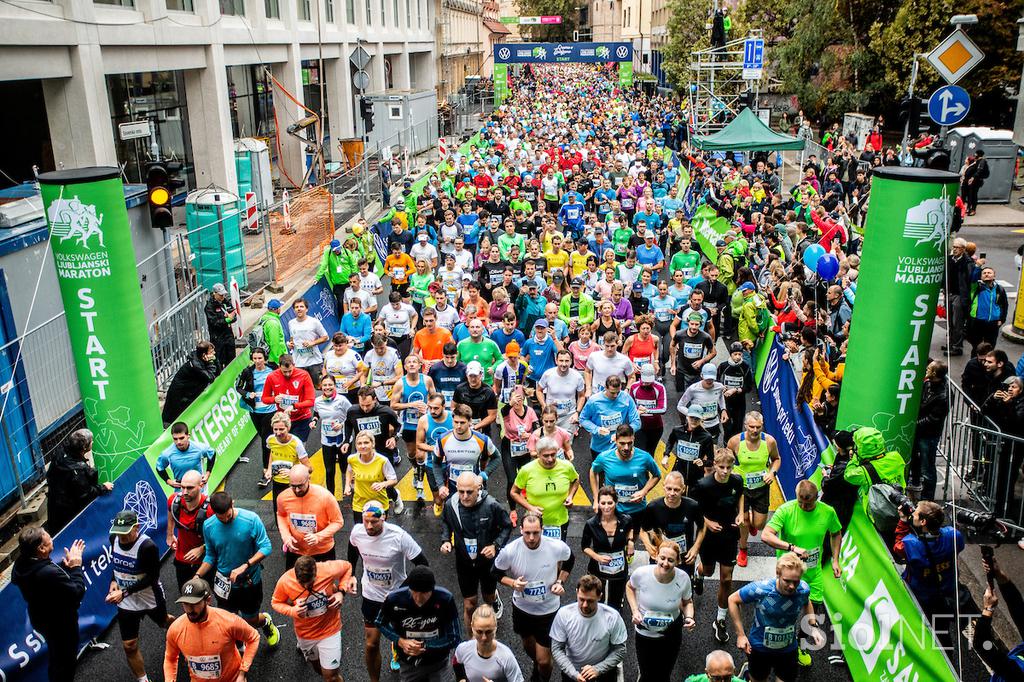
[
  {"x": 884, "y": 635},
  {"x": 625, "y": 75},
  {"x": 902, "y": 267},
  {"x": 92, "y": 251},
  {"x": 500, "y": 83},
  {"x": 708, "y": 228},
  {"x": 218, "y": 419}
]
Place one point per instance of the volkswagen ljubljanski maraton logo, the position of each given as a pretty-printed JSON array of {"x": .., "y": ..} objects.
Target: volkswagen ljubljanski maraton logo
[
  {"x": 73, "y": 219},
  {"x": 504, "y": 53},
  {"x": 621, "y": 51}
]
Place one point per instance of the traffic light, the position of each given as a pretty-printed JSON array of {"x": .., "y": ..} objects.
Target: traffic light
[
  {"x": 910, "y": 115},
  {"x": 366, "y": 113},
  {"x": 158, "y": 186}
]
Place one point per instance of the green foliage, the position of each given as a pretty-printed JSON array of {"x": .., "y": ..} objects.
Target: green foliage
[
  {"x": 555, "y": 33},
  {"x": 687, "y": 32}
]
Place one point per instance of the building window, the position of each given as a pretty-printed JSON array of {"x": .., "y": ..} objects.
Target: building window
[
  {"x": 383, "y": 18},
  {"x": 329, "y": 10},
  {"x": 157, "y": 97},
  {"x": 350, "y": 11},
  {"x": 419, "y": 13},
  {"x": 116, "y": 3},
  {"x": 250, "y": 101},
  {"x": 180, "y": 5},
  {"x": 234, "y": 8},
  {"x": 304, "y": 13},
  {"x": 408, "y": 13},
  {"x": 394, "y": 17},
  {"x": 394, "y": 112},
  {"x": 369, "y": 7},
  {"x": 311, "y": 84},
  {"x": 272, "y": 9}
]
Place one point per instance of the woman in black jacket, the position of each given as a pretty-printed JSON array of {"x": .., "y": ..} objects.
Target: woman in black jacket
[
  {"x": 198, "y": 372},
  {"x": 1005, "y": 407},
  {"x": 250, "y": 389},
  {"x": 608, "y": 541},
  {"x": 72, "y": 482}
]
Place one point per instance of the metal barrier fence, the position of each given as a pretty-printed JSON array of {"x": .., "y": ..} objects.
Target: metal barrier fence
[{"x": 174, "y": 335}]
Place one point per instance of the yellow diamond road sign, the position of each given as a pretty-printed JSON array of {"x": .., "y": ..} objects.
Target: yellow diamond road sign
[{"x": 955, "y": 56}]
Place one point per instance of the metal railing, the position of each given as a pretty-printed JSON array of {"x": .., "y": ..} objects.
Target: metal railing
[{"x": 175, "y": 333}]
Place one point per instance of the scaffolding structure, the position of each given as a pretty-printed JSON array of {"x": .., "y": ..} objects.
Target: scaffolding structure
[{"x": 718, "y": 90}]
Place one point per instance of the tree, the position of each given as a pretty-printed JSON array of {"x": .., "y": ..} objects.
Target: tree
[
  {"x": 555, "y": 33},
  {"x": 687, "y": 33}
]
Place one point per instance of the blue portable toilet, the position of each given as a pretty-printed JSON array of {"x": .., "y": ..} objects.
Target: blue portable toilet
[{"x": 213, "y": 217}]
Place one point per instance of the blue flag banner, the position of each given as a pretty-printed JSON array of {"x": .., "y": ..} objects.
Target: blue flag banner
[
  {"x": 554, "y": 53},
  {"x": 22, "y": 650},
  {"x": 321, "y": 306},
  {"x": 799, "y": 438}
]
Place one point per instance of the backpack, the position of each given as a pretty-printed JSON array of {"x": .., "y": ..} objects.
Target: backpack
[
  {"x": 257, "y": 339},
  {"x": 197, "y": 523},
  {"x": 883, "y": 501}
]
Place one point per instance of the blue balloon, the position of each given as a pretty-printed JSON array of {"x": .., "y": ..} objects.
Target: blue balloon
[
  {"x": 828, "y": 267},
  {"x": 811, "y": 255}
]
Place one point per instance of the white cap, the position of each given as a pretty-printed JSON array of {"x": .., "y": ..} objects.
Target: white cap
[
  {"x": 647, "y": 373},
  {"x": 709, "y": 371},
  {"x": 694, "y": 412},
  {"x": 474, "y": 368}
]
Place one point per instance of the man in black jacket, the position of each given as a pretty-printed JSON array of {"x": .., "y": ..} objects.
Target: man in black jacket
[
  {"x": 974, "y": 178},
  {"x": 199, "y": 371},
  {"x": 958, "y": 294},
  {"x": 72, "y": 481},
  {"x": 930, "y": 420},
  {"x": 53, "y": 593},
  {"x": 476, "y": 526},
  {"x": 219, "y": 318}
]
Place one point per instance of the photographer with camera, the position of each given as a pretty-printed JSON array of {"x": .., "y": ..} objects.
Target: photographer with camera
[
  {"x": 929, "y": 548},
  {"x": 1007, "y": 666}
]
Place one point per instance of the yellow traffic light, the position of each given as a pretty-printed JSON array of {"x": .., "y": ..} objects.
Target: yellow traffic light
[{"x": 159, "y": 196}]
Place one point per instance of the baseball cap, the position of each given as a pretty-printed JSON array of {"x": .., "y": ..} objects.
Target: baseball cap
[
  {"x": 474, "y": 368},
  {"x": 577, "y": 281},
  {"x": 513, "y": 347},
  {"x": 720, "y": 242},
  {"x": 421, "y": 579},
  {"x": 540, "y": 324},
  {"x": 736, "y": 347},
  {"x": 274, "y": 304},
  {"x": 649, "y": 235},
  {"x": 466, "y": 277},
  {"x": 598, "y": 229},
  {"x": 695, "y": 412},
  {"x": 335, "y": 245},
  {"x": 638, "y": 286},
  {"x": 747, "y": 286},
  {"x": 123, "y": 523},
  {"x": 423, "y": 236},
  {"x": 647, "y": 373},
  {"x": 557, "y": 275},
  {"x": 219, "y": 288},
  {"x": 194, "y": 591},
  {"x": 708, "y": 371},
  {"x": 373, "y": 507}
]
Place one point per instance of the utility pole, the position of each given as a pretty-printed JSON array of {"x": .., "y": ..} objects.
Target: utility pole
[
  {"x": 1018, "y": 120},
  {"x": 905, "y": 144}
]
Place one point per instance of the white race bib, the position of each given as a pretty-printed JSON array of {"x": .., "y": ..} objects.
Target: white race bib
[
  {"x": 304, "y": 523},
  {"x": 687, "y": 450},
  {"x": 381, "y": 577},
  {"x": 615, "y": 566},
  {"x": 204, "y": 667},
  {"x": 316, "y": 605},
  {"x": 397, "y": 273},
  {"x": 535, "y": 590},
  {"x": 754, "y": 479},
  {"x": 610, "y": 421},
  {"x": 554, "y": 532},
  {"x": 813, "y": 558},
  {"x": 331, "y": 427},
  {"x": 454, "y": 470},
  {"x": 656, "y": 621},
  {"x": 517, "y": 447},
  {"x": 221, "y": 587},
  {"x": 564, "y": 406},
  {"x": 626, "y": 491},
  {"x": 421, "y": 634},
  {"x": 779, "y": 638},
  {"x": 471, "y": 547}
]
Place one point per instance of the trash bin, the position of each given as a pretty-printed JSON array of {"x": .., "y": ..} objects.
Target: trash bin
[{"x": 1001, "y": 152}]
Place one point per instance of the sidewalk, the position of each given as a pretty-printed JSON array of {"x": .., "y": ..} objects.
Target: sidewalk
[{"x": 997, "y": 215}]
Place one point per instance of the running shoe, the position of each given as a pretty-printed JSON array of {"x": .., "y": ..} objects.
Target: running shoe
[
  {"x": 243, "y": 459},
  {"x": 499, "y": 606},
  {"x": 271, "y": 631},
  {"x": 420, "y": 499},
  {"x": 399, "y": 506},
  {"x": 744, "y": 671},
  {"x": 741, "y": 558},
  {"x": 803, "y": 658},
  {"x": 721, "y": 631},
  {"x": 698, "y": 583},
  {"x": 438, "y": 508},
  {"x": 394, "y": 657},
  {"x": 264, "y": 482}
]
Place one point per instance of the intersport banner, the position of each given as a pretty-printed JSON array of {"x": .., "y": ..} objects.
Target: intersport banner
[
  {"x": 902, "y": 267},
  {"x": 218, "y": 419},
  {"x": 708, "y": 228},
  {"x": 92, "y": 250},
  {"x": 791, "y": 423},
  {"x": 23, "y": 653}
]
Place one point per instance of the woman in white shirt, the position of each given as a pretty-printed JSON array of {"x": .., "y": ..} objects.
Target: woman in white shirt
[{"x": 345, "y": 366}]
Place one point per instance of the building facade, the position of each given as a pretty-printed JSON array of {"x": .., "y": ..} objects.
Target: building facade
[
  {"x": 604, "y": 20},
  {"x": 635, "y": 26},
  {"x": 460, "y": 44}
]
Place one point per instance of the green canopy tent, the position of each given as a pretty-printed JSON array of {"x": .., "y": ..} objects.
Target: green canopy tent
[{"x": 747, "y": 133}]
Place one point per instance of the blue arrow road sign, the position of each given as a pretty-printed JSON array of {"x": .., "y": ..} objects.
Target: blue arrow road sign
[
  {"x": 949, "y": 105},
  {"x": 753, "y": 53}
]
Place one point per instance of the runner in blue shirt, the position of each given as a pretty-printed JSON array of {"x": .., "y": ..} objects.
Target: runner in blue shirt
[
  {"x": 539, "y": 351},
  {"x": 631, "y": 471},
  {"x": 650, "y": 255},
  {"x": 184, "y": 455},
  {"x": 780, "y": 607},
  {"x": 605, "y": 411},
  {"x": 571, "y": 216}
]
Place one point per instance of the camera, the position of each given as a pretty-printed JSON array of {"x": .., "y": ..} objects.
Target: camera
[{"x": 976, "y": 524}]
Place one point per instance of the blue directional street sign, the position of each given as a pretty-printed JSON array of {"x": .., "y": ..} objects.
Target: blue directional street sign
[
  {"x": 949, "y": 105},
  {"x": 753, "y": 53}
]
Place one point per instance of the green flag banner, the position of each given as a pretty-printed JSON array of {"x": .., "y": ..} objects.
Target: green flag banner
[
  {"x": 683, "y": 183},
  {"x": 625, "y": 75},
  {"x": 884, "y": 635},
  {"x": 708, "y": 228},
  {"x": 92, "y": 250},
  {"x": 218, "y": 419},
  {"x": 500, "y": 83},
  {"x": 902, "y": 267}
]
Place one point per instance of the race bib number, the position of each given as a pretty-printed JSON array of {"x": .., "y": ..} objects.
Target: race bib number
[
  {"x": 679, "y": 540},
  {"x": 647, "y": 404},
  {"x": 369, "y": 424},
  {"x": 517, "y": 447},
  {"x": 733, "y": 381},
  {"x": 663, "y": 314},
  {"x": 535, "y": 590},
  {"x": 687, "y": 451},
  {"x": 610, "y": 421},
  {"x": 554, "y": 532},
  {"x": 754, "y": 479},
  {"x": 397, "y": 329},
  {"x": 564, "y": 406},
  {"x": 126, "y": 580},
  {"x": 398, "y": 273},
  {"x": 204, "y": 667},
  {"x": 709, "y": 410},
  {"x": 692, "y": 351},
  {"x": 779, "y": 638},
  {"x": 625, "y": 491},
  {"x": 221, "y": 586},
  {"x": 280, "y": 468},
  {"x": 813, "y": 559},
  {"x": 289, "y": 400},
  {"x": 471, "y": 547},
  {"x": 316, "y": 605},
  {"x": 657, "y": 621},
  {"x": 304, "y": 523},
  {"x": 640, "y": 362},
  {"x": 331, "y": 427},
  {"x": 381, "y": 577},
  {"x": 455, "y": 470},
  {"x": 421, "y": 634},
  {"x": 615, "y": 566}
]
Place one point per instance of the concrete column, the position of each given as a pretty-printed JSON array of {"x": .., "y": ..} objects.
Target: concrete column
[
  {"x": 402, "y": 69},
  {"x": 78, "y": 112},
  {"x": 378, "y": 80},
  {"x": 289, "y": 74},
  {"x": 209, "y": 121},
  {"x": 339, "y": 95}
]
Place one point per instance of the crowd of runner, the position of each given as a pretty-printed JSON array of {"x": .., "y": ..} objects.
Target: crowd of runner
[{"x": 546, "y": 288}]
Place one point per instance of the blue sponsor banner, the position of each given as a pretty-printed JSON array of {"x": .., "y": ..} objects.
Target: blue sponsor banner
[
  {"x": 321, "y": 306},
  {"x": 800, "y": 441},
  {"x": 553, "y": 53},
  {"x": 22, "y": 650}
]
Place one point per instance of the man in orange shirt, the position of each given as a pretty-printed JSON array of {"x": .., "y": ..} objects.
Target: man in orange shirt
[
  {"x": 398, "y": 266},
  {"x": 208, "y": 638},
  {"x": 308, "y": 518},
  {"x": 429, "y": 341},
  {"x": 311, "y": 594}
]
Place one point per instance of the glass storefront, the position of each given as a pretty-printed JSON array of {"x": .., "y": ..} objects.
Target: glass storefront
[
  {"x": 311, "y": 96},
  {"x": 251, "y": 101},
  {"x": 159, "y": 98}
]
